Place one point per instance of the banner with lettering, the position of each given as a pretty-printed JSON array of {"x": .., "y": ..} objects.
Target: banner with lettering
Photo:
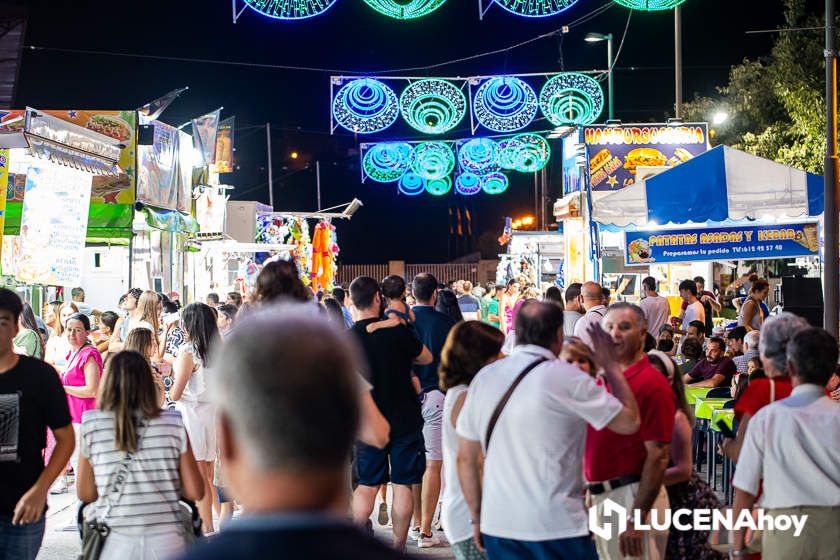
[
  {"x": 53, "y": 225},
  {"x": 614, "y": 152},
  {"x": 4, "y": 182},
  {"x": 721, "y": 243}
]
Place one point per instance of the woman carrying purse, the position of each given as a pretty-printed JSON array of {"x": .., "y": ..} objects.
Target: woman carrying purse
[{"x": 135, "y": 462}]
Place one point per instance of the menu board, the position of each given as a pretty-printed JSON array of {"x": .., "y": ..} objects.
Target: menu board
[
  {"x": 614, "y": 152},
  {"x": 118, "y": 125},
  {"x": 721, "y": 243},
  {"x": 53, "y": 225}
]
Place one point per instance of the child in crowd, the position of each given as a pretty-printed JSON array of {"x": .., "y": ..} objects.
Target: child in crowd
[
  {"x": 397, "y": 311},
  {"x": 577, "y": 353}
]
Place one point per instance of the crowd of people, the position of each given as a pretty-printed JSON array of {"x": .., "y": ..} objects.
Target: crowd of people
[{"x": 263, "y": 404}]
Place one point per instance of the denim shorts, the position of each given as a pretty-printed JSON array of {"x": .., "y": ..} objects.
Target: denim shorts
[
  {"x": 20, "y": 542},
  {"x": 406, "y": 456}
]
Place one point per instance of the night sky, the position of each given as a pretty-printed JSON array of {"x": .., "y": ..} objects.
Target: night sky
[{"x": 351, "y": 36}]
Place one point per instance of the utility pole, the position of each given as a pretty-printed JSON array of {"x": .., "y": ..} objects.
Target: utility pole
[
  {"x": 678, "y": 64},
  {"x": 830, "y": 219},
  {"x": 318, "y": 183},
  {"x": 610, "y": 64},
  {"x": 270, "y": 173}
]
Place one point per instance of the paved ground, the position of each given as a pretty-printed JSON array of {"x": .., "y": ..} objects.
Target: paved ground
[{"x": 61, "y": 545}]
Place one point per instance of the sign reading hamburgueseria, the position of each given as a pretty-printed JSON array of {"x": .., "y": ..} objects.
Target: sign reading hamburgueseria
[
  {"x": 614, "y": 152},
  {"x": 721, "y": 243}
]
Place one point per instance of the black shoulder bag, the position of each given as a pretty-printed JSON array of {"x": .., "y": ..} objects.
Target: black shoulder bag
[{"x": 505, "y": 398}]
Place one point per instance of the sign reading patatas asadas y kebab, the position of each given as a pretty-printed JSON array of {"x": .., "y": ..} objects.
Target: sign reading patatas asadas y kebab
[
  {"x": 721, "y": 243},
  {"x": 614, "y": 152}
]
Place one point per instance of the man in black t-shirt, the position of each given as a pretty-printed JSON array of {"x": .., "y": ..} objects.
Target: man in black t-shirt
[
  {"x": 390, "y": 354},
  {"x": 31, "y": 400}
]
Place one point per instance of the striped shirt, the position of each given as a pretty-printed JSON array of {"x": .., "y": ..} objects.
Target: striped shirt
[{"x": 149, "y": 500}]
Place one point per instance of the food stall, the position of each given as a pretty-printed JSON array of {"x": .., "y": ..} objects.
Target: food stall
[
  {"x": 537, "y": 256},
  {"x": 724, "y": 210}
]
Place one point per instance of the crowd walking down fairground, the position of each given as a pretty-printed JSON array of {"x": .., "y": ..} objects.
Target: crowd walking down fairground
[{"x": 482, "y": 422}]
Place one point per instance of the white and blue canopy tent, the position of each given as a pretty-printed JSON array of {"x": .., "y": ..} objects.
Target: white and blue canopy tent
[{"x": 723, "y": 185}]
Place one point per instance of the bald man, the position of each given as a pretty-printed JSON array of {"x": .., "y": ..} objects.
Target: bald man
[{"x": 593, "y": 302}]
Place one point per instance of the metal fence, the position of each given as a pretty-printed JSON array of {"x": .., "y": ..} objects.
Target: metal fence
[{"x": 347, "y": 272}]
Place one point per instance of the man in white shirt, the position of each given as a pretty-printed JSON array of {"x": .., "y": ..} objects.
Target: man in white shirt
[
  {"x": 792, "y": 450},
  {"x": 593, "y": 301},
  {"x": 656, "y": 308},
  {"x": 694, "y": 310},
  {"x": 530, "y": 503}
]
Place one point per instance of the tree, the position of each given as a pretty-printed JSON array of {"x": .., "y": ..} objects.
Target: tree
[{"x": 776, "y": 105}]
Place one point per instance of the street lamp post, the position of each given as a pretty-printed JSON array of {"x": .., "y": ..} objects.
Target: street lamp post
[
  {"x": 597, "y": 38},
  {"x": 830, "y": 173}
]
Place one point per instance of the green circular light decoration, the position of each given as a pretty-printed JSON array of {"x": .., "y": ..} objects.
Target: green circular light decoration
[
  {"x": 526, "y": 153},
  {"x": 494, "y": 183},
  {"x": 439, "y": 187},
  {"x": 405, "y": 9},
  {"x": 290, "y": 9},
  {"x": 387, "y": 162},
  {"x": 433, "y": 106},
  {"x": 434, "y": 160},
  {"x": 649, "y": 5},
  {"x": 479, "y": 155},
  {"x": 411, "y": 184},
  {"x": 571, "y": 99}
]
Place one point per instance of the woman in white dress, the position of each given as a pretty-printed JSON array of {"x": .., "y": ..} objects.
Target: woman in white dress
[
  {"x": 470, "y": 346},
  {"x": 189, "y": 392},
  {"x": 58, "y": 348}
]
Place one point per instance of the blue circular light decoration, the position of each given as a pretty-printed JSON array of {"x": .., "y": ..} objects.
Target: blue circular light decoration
[
  {"x": 365, "y": 106},
  {"x": 434, "y": 160},
  {"x": 387, "y": 162},
  {"x": 433, "y": 106},
  {"x": 649, "y": 5},
  {"x": 405, "y": 9},
  {"x": 479, "y": 155},
  {"x": 571, "y": 99},
  {"x": 536, "y": 8},
  {"x": 530, "y": 152},
  {"x": 467, "y": 184},
  {"x": 494, "y": 183},
  {"x": 411, "y": 184},
  {"x": 504, "y": 104},
  {"x": 290, "y": 9},
  {"x": 507, "y": 154},
  {"x": 439, "y": 187}
]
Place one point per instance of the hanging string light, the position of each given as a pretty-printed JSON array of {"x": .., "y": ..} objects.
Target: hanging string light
[
  {"x": 649, "y": 5},
  {"x": 387, "y": 162},
  {"x": 467, "y": 184},
  {"x": 365, "y": 106},
  {"x": 494, "y": 183},
  {"x": 536, "y": 8},
  {"x": 405, "y": 9},
  {"x": 411, "y": 184},
  {"x": 505, "y": 103},
  {"x": 479, "y": 155},
  {"x": 439, "y": 187},
  {"x": 290, "y": 9},
  {"x": 571, "y": 99},
  {"x": 434, "y": 160},
  {"x": 433, "y": 106}
]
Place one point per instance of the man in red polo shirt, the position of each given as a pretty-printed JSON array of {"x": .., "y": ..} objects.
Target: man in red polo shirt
[{"x": 628, "y": 469}]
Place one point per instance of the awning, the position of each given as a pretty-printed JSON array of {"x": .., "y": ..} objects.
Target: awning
[
  {"x": 721, "y": 185},
  {"x": 168, "y": 220},
  {"x": 105, "y": 221},
  {"x": 568, "y": 206}
]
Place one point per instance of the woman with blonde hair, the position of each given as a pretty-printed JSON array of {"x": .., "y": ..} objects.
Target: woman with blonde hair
[
  {"x": 129, "y": 434},
  {"x": 470, "y": 346},
  {"x": 58, "y": 348},
  {"x": 142, "y": 342}
]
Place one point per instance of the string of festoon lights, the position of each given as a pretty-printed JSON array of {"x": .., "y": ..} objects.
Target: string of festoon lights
[{"x": 413, "y": 9}]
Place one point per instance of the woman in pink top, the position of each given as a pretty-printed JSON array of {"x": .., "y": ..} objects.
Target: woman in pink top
[{"x": 81, "y": 377}]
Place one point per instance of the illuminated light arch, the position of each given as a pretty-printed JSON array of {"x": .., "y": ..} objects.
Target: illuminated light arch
[
  {"x": 468, "y": 184},
  {"x": 505, "y": 103},
  {"x": 507, "y": 154},
  {"x": 571, "y": 99},
  {"x": 532, "y": 152},
  {"x": 649, "y": 5},
  {"x": 405, "y": 9},
  {"x": 433, "y": 106},
  {"x": 479, "y": 155},
  {"x": 290, "y": 9},
  {"x": 434, "y": 160},
  {"x": 365, "y": 106},
  {"x": 387, "y": 162},
  {"x": 439, "y": 187},
  {"x": 536, "y": 8},
  {"x": 494, "y": 183},
  {"x": 411, "y": 184}
]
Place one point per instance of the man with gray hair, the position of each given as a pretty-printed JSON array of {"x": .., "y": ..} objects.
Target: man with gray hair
[
  {"x": 775, "y": 335},
  {"x": 593, "y": 302},
  {"x": 286, "y": 387},
  {"x": 750, "y": 351}
]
